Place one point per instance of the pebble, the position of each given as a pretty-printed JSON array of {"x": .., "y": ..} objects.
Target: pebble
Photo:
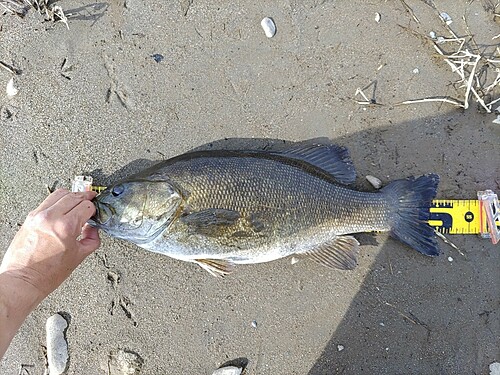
[
  {"x": 57, "y": 346},
  {"x": 432, "y": 34},
  {"x": 450, "y": 259},
  {"x": 495, "y": 368},
  {"x": 268, "y": 26},
  {"x": 254, "y": 323},
  {"x": 416, "y": 71},
  {"x": 229, "y": 370},
  {"x": 158, "y": 57},
  {"x": 340, "y": 347},
  {"x": 11, "y": 89},
  {"x": 374, "y": 181},
  {"x": 377, "y": 17}
]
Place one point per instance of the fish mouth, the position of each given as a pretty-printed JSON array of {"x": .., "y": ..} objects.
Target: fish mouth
[{"x": 102, "y": 216}]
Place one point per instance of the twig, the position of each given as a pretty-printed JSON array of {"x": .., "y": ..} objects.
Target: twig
[
  {"x": 443, "y": 99},
  {"x": 447, "y": 241},
  {"x": 409, "y": 10}
]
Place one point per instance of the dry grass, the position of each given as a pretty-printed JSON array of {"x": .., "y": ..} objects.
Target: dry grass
[{"x": 20, "y": 8}]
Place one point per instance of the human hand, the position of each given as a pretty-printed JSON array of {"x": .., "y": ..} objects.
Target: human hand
[{"x": 46, "y": 249}]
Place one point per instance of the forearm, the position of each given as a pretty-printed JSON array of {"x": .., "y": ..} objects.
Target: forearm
[{"x": 17, "y": 299}]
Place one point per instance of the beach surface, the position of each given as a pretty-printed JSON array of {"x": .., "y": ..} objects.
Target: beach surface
[{"x": 133, "y": 81}]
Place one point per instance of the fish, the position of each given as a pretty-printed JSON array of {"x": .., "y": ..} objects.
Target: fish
[{"x": 222, "y": 208}]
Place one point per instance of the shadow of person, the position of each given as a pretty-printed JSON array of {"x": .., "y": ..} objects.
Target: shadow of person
[{"x": 413, "y": 314}]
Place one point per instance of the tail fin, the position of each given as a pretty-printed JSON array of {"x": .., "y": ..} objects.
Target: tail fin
[{"x": 413, "y": 198}]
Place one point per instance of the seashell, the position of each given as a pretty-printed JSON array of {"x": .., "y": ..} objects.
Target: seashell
[
  {"x": 269, "y": 26},
  {"x": 377, "y": 17}
]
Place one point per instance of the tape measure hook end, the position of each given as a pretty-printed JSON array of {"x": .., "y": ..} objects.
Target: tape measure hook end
[{"x": 488, "y": 201}]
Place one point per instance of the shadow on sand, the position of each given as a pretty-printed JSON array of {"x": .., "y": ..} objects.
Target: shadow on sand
[{"x": 414, "y": 314}]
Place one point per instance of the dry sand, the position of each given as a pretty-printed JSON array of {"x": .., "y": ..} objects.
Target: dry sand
[{"x": 397, "y": 313}]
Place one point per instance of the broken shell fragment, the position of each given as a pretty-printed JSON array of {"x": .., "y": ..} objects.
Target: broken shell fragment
[
  {"x": 446, "y": 18},
  {"x": 377, "y": 17},
  {"x": 11, "y": 89},
  {"x": 374, "y": 181},
  {"x": 268, "y": 26}
]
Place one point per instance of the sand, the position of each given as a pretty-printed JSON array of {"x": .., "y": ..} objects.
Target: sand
[{"x": 112, "y": 105}]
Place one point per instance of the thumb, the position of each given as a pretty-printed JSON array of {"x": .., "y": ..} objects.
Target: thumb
[{"x": 89, "y": 240}]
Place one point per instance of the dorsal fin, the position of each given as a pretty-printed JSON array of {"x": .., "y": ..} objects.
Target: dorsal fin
[{"x": 331, "y": 158}]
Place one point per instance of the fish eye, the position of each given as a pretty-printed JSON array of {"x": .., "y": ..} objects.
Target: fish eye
[{"x": 117, "y": 190}]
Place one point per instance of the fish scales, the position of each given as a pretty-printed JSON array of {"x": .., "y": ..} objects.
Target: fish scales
[{"x": 299, "y": 207}]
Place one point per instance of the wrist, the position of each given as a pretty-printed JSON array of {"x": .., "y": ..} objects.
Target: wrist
[
  {"x": 17, "y": 299},
  {"x": 17, "y": 294}
]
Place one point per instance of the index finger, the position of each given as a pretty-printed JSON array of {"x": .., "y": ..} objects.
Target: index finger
[{"x": 82, "y": 212}]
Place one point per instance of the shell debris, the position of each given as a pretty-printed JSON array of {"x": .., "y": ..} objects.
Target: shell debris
[
  {"x": 446, "y": 18},
  {"x": 269, "y": 26},
  {"x": 11, "y": 89},
  {"x": 377, "y": 17}
]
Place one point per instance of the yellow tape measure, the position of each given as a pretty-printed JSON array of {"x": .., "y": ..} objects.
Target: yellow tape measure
[{"x": 453, "y": 216}]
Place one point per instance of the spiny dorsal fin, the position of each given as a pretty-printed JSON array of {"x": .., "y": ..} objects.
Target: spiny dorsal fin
[
  {"x": 216, "y": 267},
  {"x": 331, "y": 158},
  {"x": 341, "y": 253}
]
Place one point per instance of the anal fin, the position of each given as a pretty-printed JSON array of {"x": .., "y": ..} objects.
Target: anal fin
[
  {"x": 341, "y": 252},
  {"x": 216, "y": 267}
]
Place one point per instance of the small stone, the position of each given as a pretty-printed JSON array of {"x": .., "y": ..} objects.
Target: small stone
[
  {"x": 381, "y": 324},
  {"x": 228, "y": 370},
  {"x": 269, "y": 27},
  {"x": 11, "y": 90},
  {"x": 450, "y": 259},
  {"x": 57, "y": 346},
  {"x": 495, "y": 368},
  {"x": 377, "y": 17},
  {"x": 432, "y": 34},
  {"x": 158, "y": 57},
  {"x": 254, "y": 323},
  {"x": 294, "y": 260},
  {"x": 374, "y": 181},
  {"x": 416, "y": 71},
  {"x": 340, "y": 347}
]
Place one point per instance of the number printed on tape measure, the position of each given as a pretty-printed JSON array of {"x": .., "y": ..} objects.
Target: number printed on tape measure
[{"x": 453, "y": 216}]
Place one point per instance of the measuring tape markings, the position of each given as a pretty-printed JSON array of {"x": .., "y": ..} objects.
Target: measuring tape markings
[{"x": 457, "y": 216}]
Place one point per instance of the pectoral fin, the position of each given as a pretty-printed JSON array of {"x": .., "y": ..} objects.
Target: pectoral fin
[
  {"x": 341, "y": 253},
  {"x": 216, "y": 267}
]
